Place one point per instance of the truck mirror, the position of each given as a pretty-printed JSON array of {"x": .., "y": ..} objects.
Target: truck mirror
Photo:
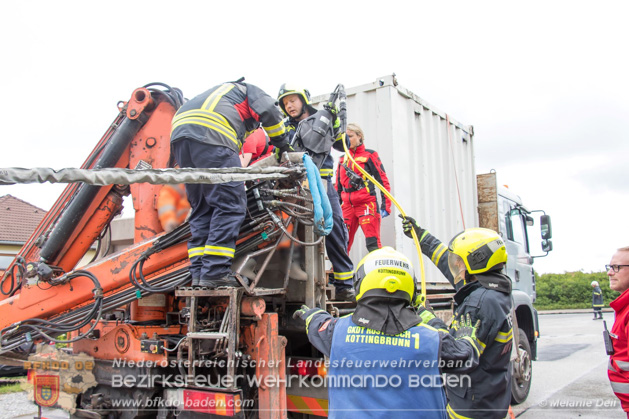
[
  {"x": 547, "y": 245},
  {"x": 546, "y": 228},
  {"x": 530, "y": 221}
]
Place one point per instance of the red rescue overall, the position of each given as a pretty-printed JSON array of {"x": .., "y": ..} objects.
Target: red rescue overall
[{"x": 358, "y": 197}]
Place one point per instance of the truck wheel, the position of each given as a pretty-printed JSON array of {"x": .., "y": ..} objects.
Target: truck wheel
[{"x": 522, "y": 371}]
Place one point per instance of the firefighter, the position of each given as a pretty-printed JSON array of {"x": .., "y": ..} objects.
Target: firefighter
[
  {"x": 207, "y": 131},
  {"x": 172, "y": 206},
  {"x": 358, "y": 195},
  {"x": 295, "y": 103},
  {"x": 597, "y": 300},
  {"x": 385, "y": 339},
  {"x": 255, "y": 147},
  {"x": 473, "y": 263}
]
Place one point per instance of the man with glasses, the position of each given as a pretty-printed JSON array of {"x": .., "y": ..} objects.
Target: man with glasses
[{"x": 618, "y": 368}]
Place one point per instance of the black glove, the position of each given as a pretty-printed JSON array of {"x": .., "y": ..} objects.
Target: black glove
[
  {"x": 409, "y": 223},
  {"x": 279, "y": 151},
  {"x": 300, "y": 313},
  {"x": 465, "y": 330}
]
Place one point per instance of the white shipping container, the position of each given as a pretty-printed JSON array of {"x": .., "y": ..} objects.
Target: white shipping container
[{"x": 429, "y": 160}]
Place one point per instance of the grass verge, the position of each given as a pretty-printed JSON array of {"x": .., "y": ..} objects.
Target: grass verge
[{"x": 12, "y": 387}]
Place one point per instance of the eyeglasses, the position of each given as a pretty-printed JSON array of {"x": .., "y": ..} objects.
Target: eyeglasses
[{"x": 615, "y": 268}]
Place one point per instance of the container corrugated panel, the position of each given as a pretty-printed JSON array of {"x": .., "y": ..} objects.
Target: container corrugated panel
[{"x": 429, "y": 160}]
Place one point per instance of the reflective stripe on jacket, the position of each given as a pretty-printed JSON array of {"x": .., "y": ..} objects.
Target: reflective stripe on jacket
[
  {"x": 488, "y": 395},
  {"x": 223, "y": 114}
]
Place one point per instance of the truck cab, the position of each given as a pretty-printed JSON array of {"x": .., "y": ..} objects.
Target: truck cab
[
  {"x": 514, "y": 220},
  {"x": 503, "y": 211}
]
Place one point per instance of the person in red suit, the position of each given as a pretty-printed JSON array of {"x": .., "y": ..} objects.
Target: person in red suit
[{"x": 357, "y": 194}]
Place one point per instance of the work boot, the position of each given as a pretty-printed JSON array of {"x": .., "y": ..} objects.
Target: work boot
[
  {"x": 345, "y": 294},
  {"x": 228, "y": 281}
]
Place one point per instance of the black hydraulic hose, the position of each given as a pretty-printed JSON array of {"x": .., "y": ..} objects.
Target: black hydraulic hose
[
  {"x": 255, "y": 242},
  {"x": 282, "y": 194},
  {"x": 77, "y": 338},
  {"x": 254, "y": 226},
  {"x": 19, "y": 264},
  {"x": 172, "y": 94},
  {"x": 275, "y": 203},
  {"x": 108, "y": 304},
  {"x": 35, "y": 328},
  {"x": 101, "y": 236},
  {"x": 124, "y": 297},
  {"x": 178, "y": 235},
  {"x": 75, "y": 210},
  {"x": 144, "y": 286},
  {"x": 123, "y": 131},
  {"x": 98, "y": 293}
]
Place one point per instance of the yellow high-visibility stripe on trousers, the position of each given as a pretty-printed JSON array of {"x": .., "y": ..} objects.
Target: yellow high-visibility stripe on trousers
[
  {"x": 219, "y": 251},
  {"x": 195, "y": 251}
]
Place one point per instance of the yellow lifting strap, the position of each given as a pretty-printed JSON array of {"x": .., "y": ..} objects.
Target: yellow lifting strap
[{"x": 399, "y": 207}]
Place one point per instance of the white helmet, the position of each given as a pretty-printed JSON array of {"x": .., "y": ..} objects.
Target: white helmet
[{"x": 594, "y": 284}]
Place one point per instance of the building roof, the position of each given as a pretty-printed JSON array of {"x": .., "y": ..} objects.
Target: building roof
[{"x": 18, "y": 219}]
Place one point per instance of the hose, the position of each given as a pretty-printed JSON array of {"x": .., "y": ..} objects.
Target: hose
[
  {"x": 279, "y": 222},
  {"x": 178, "y": 235},
  {"x": 101, "y": 236},
  {"x": 108, "y": 303},
  {"x": 172, "y": 94},
  {"x": 384, "y": 191},
  {"x": 28, "y": 330},
  {"x": 20, "y": 265},
  {"x": 275, "y": 203},
  {"x": 287, "y": 195}
]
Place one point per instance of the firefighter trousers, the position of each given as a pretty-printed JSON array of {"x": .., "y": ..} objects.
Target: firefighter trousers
[
  {"x": 217, "y": 210},
  {"x": 336, "y": 242}
]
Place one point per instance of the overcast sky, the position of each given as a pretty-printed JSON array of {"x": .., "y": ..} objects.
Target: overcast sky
[{"x": 545, "y": 84}]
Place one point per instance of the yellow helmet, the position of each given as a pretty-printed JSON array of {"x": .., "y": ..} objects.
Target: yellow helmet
[
  {"x": 385, "y": 273},
  {"x": 481, "y": 249},
  {"x": 287, "y": 90}
]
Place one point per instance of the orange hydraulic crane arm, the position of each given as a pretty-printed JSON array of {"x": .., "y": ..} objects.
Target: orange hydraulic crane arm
[
  {"x": 101, "y": 282},
  {"x": 40, "y": 283},
  {"x": 82, "y": 212}
]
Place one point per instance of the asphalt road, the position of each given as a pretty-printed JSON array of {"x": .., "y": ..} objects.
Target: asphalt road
[{"x": 570, "y": 375}]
